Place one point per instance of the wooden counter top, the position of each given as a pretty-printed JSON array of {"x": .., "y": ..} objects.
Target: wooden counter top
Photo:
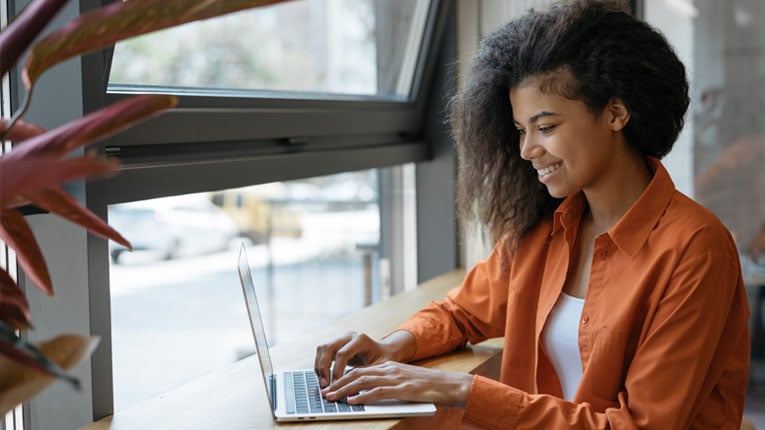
[{"x": 235, "y": 398}]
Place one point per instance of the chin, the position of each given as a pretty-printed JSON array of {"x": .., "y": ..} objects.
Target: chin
[
  {"x": 562, "y": 189},
  {"x": 556, "y": 193}
]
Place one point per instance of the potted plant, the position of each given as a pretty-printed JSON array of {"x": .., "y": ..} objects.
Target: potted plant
[{"x": 41, "y": 160}]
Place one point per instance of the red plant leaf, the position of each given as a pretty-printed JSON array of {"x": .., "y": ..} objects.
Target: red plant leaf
[
  {"x": 21, "y": 176},
  {"x": 31, "y": 356},
  {"x": 14, "y": 309},
  {"x": 14, "y": 202},
  {"x": 93, "y": 127},
  {"x": 20, "y": 33},
  {"x": 22, "y": 130},
  {"x": 61, "y": 203},
  {"x": 11, "y": 351},
  {"x": 15, "y": 231},
  {"x": 103, "y": 27},
  {"x": 20, "y": 383}
]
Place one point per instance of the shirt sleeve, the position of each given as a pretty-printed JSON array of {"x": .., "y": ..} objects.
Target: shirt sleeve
[
  {"x": 474, "y": 312},
  {"x": 698, "y": 333}
]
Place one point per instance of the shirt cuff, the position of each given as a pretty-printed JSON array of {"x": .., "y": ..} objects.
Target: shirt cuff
[{"x": 492, "y": 404}]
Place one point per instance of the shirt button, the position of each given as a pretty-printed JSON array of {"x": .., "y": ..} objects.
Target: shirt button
[
  {"x": 602, "y": 254},
  {"x": 585, "y": 320}
]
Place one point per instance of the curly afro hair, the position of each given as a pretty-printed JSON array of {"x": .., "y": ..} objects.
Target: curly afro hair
[{"x": 588, "y": 50}]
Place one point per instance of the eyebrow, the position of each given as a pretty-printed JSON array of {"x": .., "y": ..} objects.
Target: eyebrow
[{"x": 536, "y": 117}]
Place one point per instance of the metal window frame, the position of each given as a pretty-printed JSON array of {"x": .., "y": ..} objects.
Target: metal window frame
[
  {"x": 242, "y": 140},
  {"x": 237, "y": 141}
]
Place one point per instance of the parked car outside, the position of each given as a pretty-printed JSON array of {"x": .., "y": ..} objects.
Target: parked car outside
[
  {"x": 262, "y": 212},
  {"x": 172, "y": 226}
]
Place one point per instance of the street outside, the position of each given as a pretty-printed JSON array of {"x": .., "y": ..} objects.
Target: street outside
[{"x": 176, "y": 320}]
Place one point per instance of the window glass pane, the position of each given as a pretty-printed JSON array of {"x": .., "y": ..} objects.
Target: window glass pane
[
  {"x": 177, "y": 306},
  {"x": 338, "y": 47},
  {"x": 723, "y": 151}
]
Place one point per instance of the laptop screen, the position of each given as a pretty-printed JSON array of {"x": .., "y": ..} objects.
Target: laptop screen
[{"x": 256, "y": 321}]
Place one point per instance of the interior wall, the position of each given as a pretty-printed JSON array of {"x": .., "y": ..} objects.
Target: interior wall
[{"x": 677, "y": 25}]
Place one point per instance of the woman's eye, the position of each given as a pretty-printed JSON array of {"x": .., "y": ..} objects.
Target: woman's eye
[
  {"x": 546, "y": 128},
  {"x": 521, "y": 132}
]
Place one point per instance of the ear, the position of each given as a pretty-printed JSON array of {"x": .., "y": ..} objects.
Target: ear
[{"x": 618, "y": 114}]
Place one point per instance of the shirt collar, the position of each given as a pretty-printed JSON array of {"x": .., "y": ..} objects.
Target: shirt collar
[
  {"x": 569, "y": 213},
  {"x": 633, "y": 229}
]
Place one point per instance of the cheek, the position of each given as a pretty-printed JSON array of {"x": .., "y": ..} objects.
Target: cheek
[
  {"x": 566, "y": 147},
  {"x": 588, "y": 144}
]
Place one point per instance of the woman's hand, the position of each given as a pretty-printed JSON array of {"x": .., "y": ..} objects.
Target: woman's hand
[
  {"x": 392, "y": 380},
  {"x": 358, "y": 349}
]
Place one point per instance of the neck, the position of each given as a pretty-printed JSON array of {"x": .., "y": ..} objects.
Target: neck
[{"x": 608, "y": 203}]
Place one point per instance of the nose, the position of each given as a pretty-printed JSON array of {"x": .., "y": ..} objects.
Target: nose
[{"x": 529, "y": 148}]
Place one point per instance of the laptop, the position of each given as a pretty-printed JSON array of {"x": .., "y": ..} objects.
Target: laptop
[{"x": 294, "y": 394}]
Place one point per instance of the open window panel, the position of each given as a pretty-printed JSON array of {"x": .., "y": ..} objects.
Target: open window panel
[{"x": 176, "y": 303}]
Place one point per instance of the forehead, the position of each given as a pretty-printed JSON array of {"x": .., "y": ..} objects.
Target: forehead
[
  {"x": 529, "y": 100},
  {"x": 555, "y": 87},
  {"x": 530, "y": 103}
]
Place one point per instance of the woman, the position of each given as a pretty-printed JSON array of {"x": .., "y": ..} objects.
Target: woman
[{"x": 620, "y": 300}]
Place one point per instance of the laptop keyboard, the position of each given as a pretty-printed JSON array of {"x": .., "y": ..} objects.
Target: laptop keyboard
[{"x": 303, "y": 396}]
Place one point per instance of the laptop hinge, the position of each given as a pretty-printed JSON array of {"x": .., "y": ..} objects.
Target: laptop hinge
[{"x": 272, "y": 388}]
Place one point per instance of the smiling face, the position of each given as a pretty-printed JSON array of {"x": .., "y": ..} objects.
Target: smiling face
[{"x": 570, "y": 148}]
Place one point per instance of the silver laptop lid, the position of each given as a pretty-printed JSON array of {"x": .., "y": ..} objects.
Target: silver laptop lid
[{"x": 256, "y": 322}]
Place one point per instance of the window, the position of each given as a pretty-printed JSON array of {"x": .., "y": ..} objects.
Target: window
[
  {"x": 337, "y": 47},
  {"x": 307, "y": 113},
  {"x": 177, "y": 308},
  {"x": 342, "y": 91}
]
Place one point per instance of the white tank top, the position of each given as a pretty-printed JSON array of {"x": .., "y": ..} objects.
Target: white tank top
[{"x": 561, "y": 339}]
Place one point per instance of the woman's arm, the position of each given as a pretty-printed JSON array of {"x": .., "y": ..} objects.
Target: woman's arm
[{"x": 473, "y": 312}]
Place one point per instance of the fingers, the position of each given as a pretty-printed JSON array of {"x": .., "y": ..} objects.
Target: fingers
[
  {"x": 358, "y": 343},
  {"x": 352, "y": 384},
  {"x": 392, "y": 380},
  {"x": 325, "y": 354},
  {"x": 351, "y": 348}
]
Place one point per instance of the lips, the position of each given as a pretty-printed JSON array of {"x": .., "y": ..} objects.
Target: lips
[{"x": 546, "y": 170}]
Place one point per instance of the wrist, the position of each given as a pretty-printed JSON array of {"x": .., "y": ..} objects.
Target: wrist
[
  {"x": 400, "y": 346},
  {"x": 463, "y": 390}
]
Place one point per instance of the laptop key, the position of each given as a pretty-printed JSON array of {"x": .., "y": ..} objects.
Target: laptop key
[
  {"x": 306, "y": 396},
  {"x": 330, "y": 407},
  {"x": 300, "y": 392},
  {"x": 289, "y": 393},
  {"x": 314, "y": 400}
]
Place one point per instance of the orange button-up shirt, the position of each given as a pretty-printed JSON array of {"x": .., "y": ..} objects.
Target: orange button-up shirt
[{"x": 663, "y": 336}]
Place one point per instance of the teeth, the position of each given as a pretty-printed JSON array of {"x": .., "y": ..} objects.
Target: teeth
[{"x": 548, "y": 169}]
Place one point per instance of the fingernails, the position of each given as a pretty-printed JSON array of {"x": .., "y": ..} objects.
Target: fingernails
[{"x": 323, "y": 382}]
